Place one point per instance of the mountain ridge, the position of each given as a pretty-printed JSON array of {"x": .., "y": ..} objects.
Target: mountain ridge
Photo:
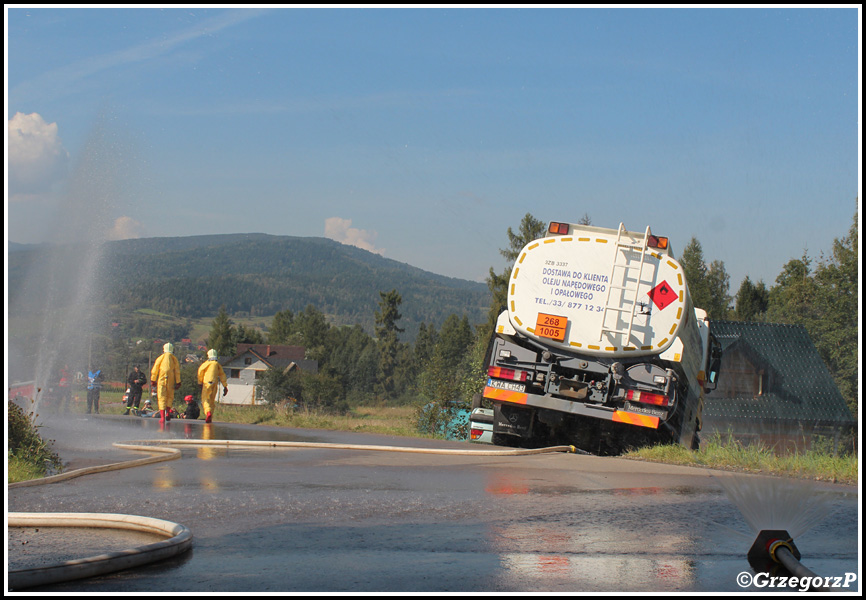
[{"x": 252, "y": 274}]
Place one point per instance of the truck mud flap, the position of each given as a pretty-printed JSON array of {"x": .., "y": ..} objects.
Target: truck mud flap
[{"x": 512, "y": 420}]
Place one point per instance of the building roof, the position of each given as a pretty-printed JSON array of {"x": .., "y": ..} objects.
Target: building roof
[
  {"x": 274, "y": 356},
  {"x": 800, "y": 389},
  {"x": 274, "y": 353}
]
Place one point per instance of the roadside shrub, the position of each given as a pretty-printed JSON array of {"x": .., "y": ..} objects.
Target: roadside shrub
[
  {"x": 449, "y": 422},
  {"x": 24, "y": 441}
]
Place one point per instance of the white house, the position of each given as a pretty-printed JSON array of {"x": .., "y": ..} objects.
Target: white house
[{"x": 250, "y": 363}]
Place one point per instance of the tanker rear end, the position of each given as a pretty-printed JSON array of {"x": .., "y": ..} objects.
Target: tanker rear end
[{"x": 600, "y": 345}]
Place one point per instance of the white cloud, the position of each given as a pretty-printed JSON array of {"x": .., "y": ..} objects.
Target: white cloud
[
  {"x": 37, "y": 158},
  {"x": 341, "y": 230},
  {"x": 125, "y": 228}
]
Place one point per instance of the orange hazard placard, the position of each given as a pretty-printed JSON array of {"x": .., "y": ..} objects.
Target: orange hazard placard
[
  {"x": 662, "y": 295},
  {"x": 551, "y": 326}
]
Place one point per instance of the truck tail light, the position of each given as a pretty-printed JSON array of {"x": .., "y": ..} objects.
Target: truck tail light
[
  {"x": 657, "y": 242},
  {"x": 503, "y": 373},
  {"x": 474, "y": 434},
  {"x": 647, "y": 398},
  {"x": 558, "y": 228}
]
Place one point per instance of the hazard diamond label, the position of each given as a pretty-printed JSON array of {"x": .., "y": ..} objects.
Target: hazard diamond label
[{"x": 662, "y": 295}]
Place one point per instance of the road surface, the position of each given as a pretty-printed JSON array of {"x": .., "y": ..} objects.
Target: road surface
[{"x": 326, "y": 520}]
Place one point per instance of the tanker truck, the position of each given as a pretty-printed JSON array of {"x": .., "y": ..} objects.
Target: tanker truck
[{"x": 600, "y": 346}]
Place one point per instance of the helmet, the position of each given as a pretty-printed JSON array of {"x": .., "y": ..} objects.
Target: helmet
[
  {"x": 188, "y": 399},
  {"x": 168, "y": 348},
  {"x": 147, "y": 402},
  {"x": 211, "y": 354}
]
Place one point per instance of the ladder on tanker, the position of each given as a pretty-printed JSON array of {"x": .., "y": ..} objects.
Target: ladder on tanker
[{"x": 624, "y": 307}]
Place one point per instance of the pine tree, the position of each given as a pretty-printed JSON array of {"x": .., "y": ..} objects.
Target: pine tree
[
  {"x": 425, "y": 343},
  {"x": 752, "y": 301},
  {"x": 282, "y": 328},
  {"x": 220, "y": 337},
  {"x": 386, "y": 334},
  {"x": 530, "y": 229},
  {"x": 708, "y": 285}
]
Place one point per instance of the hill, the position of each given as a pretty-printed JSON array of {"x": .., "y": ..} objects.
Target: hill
[{"x": 250, "y": 274}]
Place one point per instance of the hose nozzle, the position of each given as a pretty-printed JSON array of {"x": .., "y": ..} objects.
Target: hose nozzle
[{"x": 768, "y": 542}]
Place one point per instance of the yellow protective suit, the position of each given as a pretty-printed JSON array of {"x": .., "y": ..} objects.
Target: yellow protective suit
[
  {"x": 166, "y": 374},
  {"x": 210, "y": 375}
]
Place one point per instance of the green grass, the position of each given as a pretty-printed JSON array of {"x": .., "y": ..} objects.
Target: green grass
[
  {"x": 397, "y": 420},
  {"x": 22, "y": 469},
  {"x": 383, "y": 420},
  {"x": 732, "y": 455},
  {"x": 388, "y": 420},
  {"x": 155, "y": 313}
]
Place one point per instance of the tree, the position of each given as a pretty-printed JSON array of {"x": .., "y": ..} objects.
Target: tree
[
  {"x": 718, "y": 285},
  {"x": 455, "y": 339},
  {"x": 826, "y": 302},
  {"x": 425, "y": 344},
  {"x": 311, "y": 331},
  {"x": 450, "y": 379},
  {"x": 498, "y": 286},
  {"x": 708, "y": 285},
  {"x": 386, "y": 334},
  {"x": 246, "y": 335},
  {"x": 282, "y": 327},
  {"x": 220, "y": 336},
  {"x": 282, "y": 385},
  {"x": 323, "y": 391},
  {"x": 793, "y": 298},
  {"x": 530, "y": 229},
  {"x": 441, "y": 380},
  {"x": 354, "y": 360},
  {"x": 837, "y": 281},
  {"x": 752, "y": 301}
]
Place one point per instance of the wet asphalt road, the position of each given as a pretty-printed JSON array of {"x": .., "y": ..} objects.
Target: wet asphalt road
[{"x": 326, "y": 520}]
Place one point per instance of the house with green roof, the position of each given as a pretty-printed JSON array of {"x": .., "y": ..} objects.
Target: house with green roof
[{"x": 773, "y": 387}]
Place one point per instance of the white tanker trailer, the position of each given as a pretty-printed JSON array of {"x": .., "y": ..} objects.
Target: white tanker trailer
[{"x": 600, "y": 345}]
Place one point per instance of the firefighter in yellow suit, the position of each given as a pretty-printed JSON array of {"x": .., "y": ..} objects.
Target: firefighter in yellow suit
[
  {"x": 165, "y": 375},
  {"x": 210, "y": 375}
]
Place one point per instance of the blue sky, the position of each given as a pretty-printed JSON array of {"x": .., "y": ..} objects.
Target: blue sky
[{"x": 424, "y": 133}]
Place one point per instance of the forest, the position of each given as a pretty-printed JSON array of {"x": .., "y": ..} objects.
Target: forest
[{"x": 383, "y": 332}]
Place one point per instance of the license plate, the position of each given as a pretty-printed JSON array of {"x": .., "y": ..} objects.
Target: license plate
[
  {"x": 551, "y": 326},
  {"x": 511, "y": 386}
]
